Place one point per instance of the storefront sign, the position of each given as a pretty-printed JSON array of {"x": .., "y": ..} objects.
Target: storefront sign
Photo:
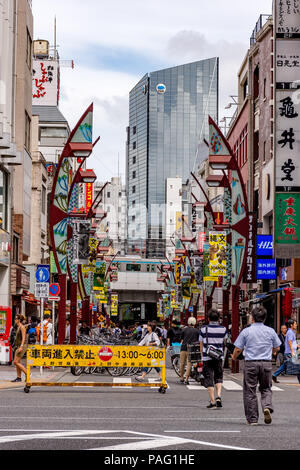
[
  {"x": 89, "y": 197},
  {"x": 250, "y": 271},
  {"x": 217, "y": 254},
  {"x": 287, "y": 226},
  {"x": 266, "y": 269},
  {"x": 114, "y": 305}
]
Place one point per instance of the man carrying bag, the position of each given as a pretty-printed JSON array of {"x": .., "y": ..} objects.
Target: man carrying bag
[
  {"x": 259, "y": 342},
  {"x": 212, "y": 338}
]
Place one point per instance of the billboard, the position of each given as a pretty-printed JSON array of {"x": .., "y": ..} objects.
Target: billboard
[
  {"x": 45, "y": 86},
  {"x": 217, "y": 254}
]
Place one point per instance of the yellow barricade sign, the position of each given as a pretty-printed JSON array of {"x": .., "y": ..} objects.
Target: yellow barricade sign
[{"x": 95, "y": 356}]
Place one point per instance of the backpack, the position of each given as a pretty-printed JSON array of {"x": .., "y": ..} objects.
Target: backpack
[
  {"x": 38, "y": 333},
  {"x": 12, "y": 336},
  {"x": 32, "y": 334},
  {"x": 177, "y": 335}
]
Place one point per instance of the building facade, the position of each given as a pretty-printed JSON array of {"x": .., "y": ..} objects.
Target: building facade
[{"x": 168, "y": 119}]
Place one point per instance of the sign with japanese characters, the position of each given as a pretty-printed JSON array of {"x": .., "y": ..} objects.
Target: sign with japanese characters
[
  {"x": 266, "y": 269},
  {"x": 98, "y": 356},
  {"x": 287, "y": 226},
  {"x": 287, "y": 18},
  {"x": 114, "y": 305},
  {"x": 287, "y": 127},
  {"x": 287, "y": 141},
  {"x": 217, "y": 254},
  {"x": 45, "y": 89},
  {"x": 250, "y": 273}
]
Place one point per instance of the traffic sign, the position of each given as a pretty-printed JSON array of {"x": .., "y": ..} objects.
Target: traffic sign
[
  {"x": 101, "y": 319},
  {"x": 54, "y": 290},
  {"x": 41, "y": 290},
  {"x": 42, "y": 274},
  {"x": 105, "y": 354},
  {"x": 54, "y": 299}
]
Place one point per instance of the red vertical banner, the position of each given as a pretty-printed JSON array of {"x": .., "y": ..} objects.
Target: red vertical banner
[{"x": 89, "y": 196}]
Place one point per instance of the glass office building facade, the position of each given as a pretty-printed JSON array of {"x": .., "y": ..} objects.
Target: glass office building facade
[{"x": 168, "y": 119}]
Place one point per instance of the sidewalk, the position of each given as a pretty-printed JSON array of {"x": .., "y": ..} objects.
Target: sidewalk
[{"x": 8, "y": 373}]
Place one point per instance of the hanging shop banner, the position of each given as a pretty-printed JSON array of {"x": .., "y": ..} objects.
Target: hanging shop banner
[
  {"x": 114, "y": 305},
  {"x": 81, "y": 238},
  {"x": 287, "y": 226},
  {"x": 178, "y": 271},
  {"x": 217, "y": 254},
  {"x": 198, "y": 219},
  {"x": 240, "y": 228},
  {"x": 89, "y": 196},
  {"x": 206, "y": 274},
  {"x": 197, "y": 263},
  {"x": 101, "y": 295},
  {"x": 287, "y": 127},
  {"x": 93, "y": 254},
  {"x": 201, "y": 241},
  {"x": 99, "y": 276},
  {"x": 53, "y": 268},
  {"x": 250, "y": 270},
  {"x": 288, "y": 140}
]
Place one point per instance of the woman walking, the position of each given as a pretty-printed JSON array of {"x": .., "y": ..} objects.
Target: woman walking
[
  {"x": 150, "y": 339},
  {"x": 20, "y": 346}
]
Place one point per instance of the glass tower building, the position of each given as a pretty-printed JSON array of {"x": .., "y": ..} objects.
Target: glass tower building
[{"x": 168, "y": 119}]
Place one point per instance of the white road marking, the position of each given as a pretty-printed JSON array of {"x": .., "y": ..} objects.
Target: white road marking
[
  {"x": 208, "y": 432},
  {"x": 162, "y": 442},
  {"x": 195, "y": 387},
  {"x": 49, "y": 435},
  {"x": 152, "y": 444},
  {"x": 121, "y": 380},
  {"x": 230, "y": 385},
  {"x": 276, "y": 389}
]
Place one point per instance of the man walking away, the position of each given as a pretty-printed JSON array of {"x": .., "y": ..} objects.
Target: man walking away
[
  {"x": 259, "y": 342},
  {"x": 213, "y": 335},
  {"x": 190, "y": 335},
  {"x": 280, "y": 355}
]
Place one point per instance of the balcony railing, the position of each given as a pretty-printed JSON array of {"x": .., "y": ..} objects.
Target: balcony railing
[{"x": 259, "y": 25}]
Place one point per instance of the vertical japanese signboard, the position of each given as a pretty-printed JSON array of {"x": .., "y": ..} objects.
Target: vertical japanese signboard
[
  {"x": 89, "y": 196},
  {"x": 287, "y": 127},
  {"x": 217, "y": 253},
  {"x": 114, "y": 305}
]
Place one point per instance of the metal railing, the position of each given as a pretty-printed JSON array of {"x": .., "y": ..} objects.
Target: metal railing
[{"x": 259, "y": 25}]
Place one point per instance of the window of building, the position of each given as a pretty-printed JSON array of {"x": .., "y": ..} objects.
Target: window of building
[
  {"x": 4, "y": 181},
  {"x": 29, "y": 50},
  {"x": 264, "y": 150},
  {"x": 133, "y": 218},
  {"x": 133, "y": 160},
  {"x": 133, "y": 189},
  {"x": 133, "y": 268},
  {"x": 53, "y": 132},
  {"x": 15, "y": 250},
  {"x": 134, "y": 145},
  {"x": 134, "y": 174},
  {"x": 133, "y": 203},
  {"x": 108, "y": 195},
  {"x": 134, "y": 130},
  {"x": 43, "y": 202},
  {"x": 27, "y": 131}
]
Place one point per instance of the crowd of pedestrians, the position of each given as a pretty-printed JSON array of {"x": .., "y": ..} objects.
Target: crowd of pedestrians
[{"x": 257, "y": 344}]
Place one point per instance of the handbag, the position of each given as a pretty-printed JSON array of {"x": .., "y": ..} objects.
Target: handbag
[
  {"x": 212, "y": 351},
  {"x": 293, "y": 366}
]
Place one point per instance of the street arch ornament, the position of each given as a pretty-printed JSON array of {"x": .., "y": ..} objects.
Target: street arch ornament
[
  {"x": 239, "y": 223},
  {"x": 59, "y": 218}
]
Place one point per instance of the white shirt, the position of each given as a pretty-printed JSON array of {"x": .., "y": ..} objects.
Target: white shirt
[{"x": 150, "y": 338}]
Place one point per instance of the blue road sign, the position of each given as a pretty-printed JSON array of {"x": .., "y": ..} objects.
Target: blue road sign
[
  {"x": 42, "y": 273},
  {"x": 54, "y": 290}
]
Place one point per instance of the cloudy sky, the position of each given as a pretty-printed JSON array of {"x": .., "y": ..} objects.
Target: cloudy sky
[{"x": 113, "y": 44}]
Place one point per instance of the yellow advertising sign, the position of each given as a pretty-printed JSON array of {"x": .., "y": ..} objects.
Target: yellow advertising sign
[
  {"x": 114, "y": 305},
  {"x": 92, "y": 254},
  {"x": 217, "y": 254},
  {"x": 178, "y": 221},
  {"x": 97, "y": 356},
  {"x": 173, "y": 299}
]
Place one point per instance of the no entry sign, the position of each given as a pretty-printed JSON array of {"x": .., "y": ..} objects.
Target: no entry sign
[
  {"x": 54, "y": 290},
  {"x": 105, "y": 354}
]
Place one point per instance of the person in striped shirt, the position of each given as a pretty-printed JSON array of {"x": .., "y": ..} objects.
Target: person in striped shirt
[{"x": 215, "y": 335}]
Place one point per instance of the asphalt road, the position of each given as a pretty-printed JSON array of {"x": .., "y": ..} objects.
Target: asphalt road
[{"x": 89, "y": 418}]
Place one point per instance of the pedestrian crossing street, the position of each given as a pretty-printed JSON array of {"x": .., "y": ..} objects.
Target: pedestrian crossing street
[{"x": 228, "y": 385}]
